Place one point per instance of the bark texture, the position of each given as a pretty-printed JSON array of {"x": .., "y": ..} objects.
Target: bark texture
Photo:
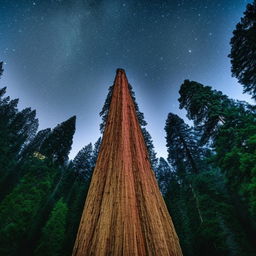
[{"x": 124, "y": 212}]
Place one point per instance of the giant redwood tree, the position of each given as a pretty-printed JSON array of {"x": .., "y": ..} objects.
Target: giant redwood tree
[
  {"x": 124, "y": 213},
  {"x": 147, "y": 137}
]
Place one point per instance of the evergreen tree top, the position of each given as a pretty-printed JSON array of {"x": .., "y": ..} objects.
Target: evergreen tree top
[
  {"x": 140, "y": 116},
  {"x": 243, "y": 50},
  {"x": 205, "y": 106},
  {"x": 58, "y": 143},
  {"x": 105, "y": 108},
  {"x": 1, "y": 68},
  {"x": 183, "y": 150},
  {"x": 2, "y": 91}
]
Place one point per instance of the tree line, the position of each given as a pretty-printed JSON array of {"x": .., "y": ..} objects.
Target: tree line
[{"x": 208, "y": 180}]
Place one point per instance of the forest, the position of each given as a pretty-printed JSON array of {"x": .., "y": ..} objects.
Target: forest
[{"x": 208, "y": 181}]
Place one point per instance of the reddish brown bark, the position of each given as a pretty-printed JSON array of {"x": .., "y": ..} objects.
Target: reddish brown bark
[{"x": 124, "y": 212}]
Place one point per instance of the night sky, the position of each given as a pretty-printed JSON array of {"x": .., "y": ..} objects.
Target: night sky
[{"x": 61, "y": 56}]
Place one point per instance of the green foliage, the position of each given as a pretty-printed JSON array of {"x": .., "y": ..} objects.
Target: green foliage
[
  {"x": 57, "y": 144},
  {"x": 198, "y": 197},
  {"x": 22, "y": 204},
  {"x": 183, "y": 151},
  {"x": 209, "y": 189},
  {"x": 105, "y": 108},
  {"x": 239, "y": 165},
  {"x": 146, "y": 134},
  {"x": 35, "y": 144},
  {"x": 76, "y": 199},
  {"x": 140, "y": 115},
  {"x": 206, "y": 107},
  {"x": 150, "y": 148},
  {"x": 231, "y": 132},
  {"x": 163, "y": 175},
  {"x": 82, "y": 163},
  {"x": 17, "y": 128},
  {"x": 243, "y": 50},
  {"x": 53, "y": 233},
  {"x": 95, "y": 152}
]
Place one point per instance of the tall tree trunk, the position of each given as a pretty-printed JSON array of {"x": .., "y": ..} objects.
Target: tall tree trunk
[{"x": 124, "y": 213}]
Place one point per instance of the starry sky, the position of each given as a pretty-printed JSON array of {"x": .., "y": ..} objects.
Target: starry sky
[{"x": 61, "y": 55}]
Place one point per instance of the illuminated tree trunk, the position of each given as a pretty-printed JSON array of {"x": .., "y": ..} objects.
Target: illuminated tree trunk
[{"x": 124, "y": 213}]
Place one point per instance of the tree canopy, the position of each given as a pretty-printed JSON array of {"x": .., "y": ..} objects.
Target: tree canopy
[{"x": 243, "y": 50}]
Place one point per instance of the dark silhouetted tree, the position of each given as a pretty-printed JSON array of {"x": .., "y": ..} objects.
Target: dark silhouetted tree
[
  {"x": 150, "y": 147},
  {"x": 23, "y": 128},
  {"x": 82, "y": 163},
  {"x": 163, "y": 175},
  {"x": 182, "y": 149},
  {"x": 206, "y": 107},
  {"x": 58, "y": 143},
  {"x": 243, "y": 50},
  {"x": 1, "y": 69},
  {"x": 95, "y": 152},
  {"x": 34, "y": 146},
  {"x": 105, "y": 109},
  {"x": 230, "y": 126},
  {"x": 19, "y": 208},
  {"x": 193, "y": 185},
  {"x": 53, "y": 233}
]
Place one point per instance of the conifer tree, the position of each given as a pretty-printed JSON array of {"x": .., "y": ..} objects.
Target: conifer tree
[
  {"x": 243, "y": 50},
  {"x": 181, "y": 206},
  {"x": 2, "y": 92},
  {"x": 82, "y": 163},
  {"x": 35, "y": 144},
  {"x": 147, "y": 137},
  {"x": 16, "y": 129},
  {"x": 95, "y": 151},
  {"x": 231, "y": 125},
  {"x": 55, "y": 149},
  {"x": 1, "y": 69},
  {"x": 182, "y": 149},
  {"x": 105, "y": 109},
  {"x": 150, "y": 148},
  {"x": 140, "y": 115},
  {"x": 8, "y": 110},
  {"x": 142, "y": 122},
  {"x": 206, "y": 107},
  {"x": 163, "y": 175},
  {"x": 22, "y": 129},
  {"x": 58, "y": 144},
  {"x": 75, "y": 200},
  {"x": 198, "y": 184},
  {"x": 53, "y": 233},
  {"x": 19, "y": 208}
]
